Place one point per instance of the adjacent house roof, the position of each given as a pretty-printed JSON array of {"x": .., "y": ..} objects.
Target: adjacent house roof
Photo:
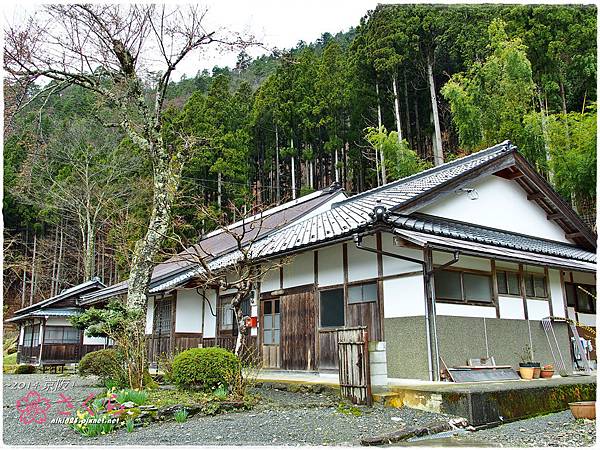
[
  {"x": 355, "y": 214},
  {"x": 48, "y": 312},
  {"x": 220, "y": 242},
  {"x": 72, "y": 293}
]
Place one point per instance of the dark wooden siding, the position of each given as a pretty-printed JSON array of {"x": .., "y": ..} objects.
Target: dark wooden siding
[{"x": 298, "y": 331}]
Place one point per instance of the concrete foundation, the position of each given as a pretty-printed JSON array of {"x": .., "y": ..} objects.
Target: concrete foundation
[{"x": 488, "y": 403}]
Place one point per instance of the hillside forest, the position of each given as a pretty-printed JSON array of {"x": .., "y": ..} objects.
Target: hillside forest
[{"x": 407, "y": 88}]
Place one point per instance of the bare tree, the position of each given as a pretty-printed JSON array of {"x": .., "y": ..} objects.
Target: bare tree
[
  {"x": 239, "y": 268},
  {"x": 83, "y": 175},
  {"x": 112, "y": 50}
]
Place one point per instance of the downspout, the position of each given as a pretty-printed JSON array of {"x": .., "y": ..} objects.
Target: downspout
[{"x": 428, "y": 271}]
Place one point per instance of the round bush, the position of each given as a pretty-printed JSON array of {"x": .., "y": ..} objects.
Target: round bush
[
  {"x": 106, "y": 364},
  {"x": 205, "y": 368},
  {"x": 25, "y": 368}
]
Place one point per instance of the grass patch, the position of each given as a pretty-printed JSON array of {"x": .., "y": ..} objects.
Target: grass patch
[
  {"x": 164, "y": 397},
  {"x": 10, "y": 360},
  {"x": 347, "y": 409}
]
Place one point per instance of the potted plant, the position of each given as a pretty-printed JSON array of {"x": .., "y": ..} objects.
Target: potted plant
[
  {"x": 527, "y": 367},
  {"x": 547, "y": 371}
]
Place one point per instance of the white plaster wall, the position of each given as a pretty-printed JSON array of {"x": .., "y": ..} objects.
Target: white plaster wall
[
  {"x": 362, "y": 265},
  {"x": 501, "y": 204},
  {"x": 507, "y": 265},
  {"x": 331, "y": 265},
  {"x": 270, "y": 281},
  {"x": 404, "y": 297},
  {"x": 447, "y": 309},
  {"x": 300, "y": 271},
  {"x": 464, "y": 262},
  {"x": 511, "y": 308},
  {"x": 533, "y": 269},
  {"x": 584, "y": 278},
  {"x": 210, "y": 321},
  {"x": 58, "y": 322},
  {"x": 188, "y": 313},
  {"x": 537, "y": 309},
  {"x": 587, "y": 319},
  {"x": 556, "y": 293},
  {"x": 87, "y": 340},
  {"x": 21, "y": 335},
  {"x": 149, "y": 315},
  {"x": 393, "y": 266},
  {"x": 571, "y": 312}
]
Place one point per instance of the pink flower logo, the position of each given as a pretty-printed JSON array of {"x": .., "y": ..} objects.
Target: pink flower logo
[{"x": 33, "y": 408}]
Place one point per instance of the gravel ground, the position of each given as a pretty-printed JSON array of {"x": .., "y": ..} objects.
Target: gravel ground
[
  {"x": 280, "y": 418},
  {"x": 552, "y": 430}
]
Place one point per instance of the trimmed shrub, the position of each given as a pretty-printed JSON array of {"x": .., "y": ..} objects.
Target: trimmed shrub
[
  {"x": 25, "y": 368},
  {"x": 205, "y": 368},
  {"x": 106, "y": 364}
]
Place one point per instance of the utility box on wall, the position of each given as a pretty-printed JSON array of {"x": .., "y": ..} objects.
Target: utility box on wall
[{"x": 378, "y": 364}]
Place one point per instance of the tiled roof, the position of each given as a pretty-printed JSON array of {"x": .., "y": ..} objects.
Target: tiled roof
[
  {"x": 49, "y": 312},
  {"x": 499, "y": 238},
  {"x": 353, "y": 214},
  {"x": 74, "y": 291},
  {"x": 218, "y": 242}
]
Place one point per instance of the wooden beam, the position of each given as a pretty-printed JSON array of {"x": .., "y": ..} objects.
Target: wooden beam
[
  {"x": 535, "y": 196},
  {"x": 555, "y": 216},
  {"x": 574, "y": 235},
  {"x": 509, "y": 173}
]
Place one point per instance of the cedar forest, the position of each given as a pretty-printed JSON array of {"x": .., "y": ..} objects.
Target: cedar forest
[{"x": 407, "y": 88}]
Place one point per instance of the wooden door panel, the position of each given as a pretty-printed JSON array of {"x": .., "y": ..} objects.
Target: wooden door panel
[
  {"x": 365, "y": 314},
  {"x": 298, "y": 331}
]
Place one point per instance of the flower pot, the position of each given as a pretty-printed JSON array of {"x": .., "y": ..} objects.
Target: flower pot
[
  {"x": 583, "y": 410},
  {"x": 536, "y": 372},
  {"x": 526, "y": 372},
  {"x": 547, "y": 373}
]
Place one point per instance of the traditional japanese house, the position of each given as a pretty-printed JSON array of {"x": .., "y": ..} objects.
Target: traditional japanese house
[
  {"x": 46, "y": 335},
  {"x": 177, "y": 320},
  {"x": 460, "y": 261}
]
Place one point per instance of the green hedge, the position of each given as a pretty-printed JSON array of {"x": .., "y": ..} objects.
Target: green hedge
[
  {"x": 205, "y": 368},
  {"x": 107, "y": 364},
  {"x": 25, "y": 368}
]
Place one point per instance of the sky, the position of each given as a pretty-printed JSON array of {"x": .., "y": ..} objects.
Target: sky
[
  {"x": 276, "y": 24},
  {"x": 280, "y": 24}
]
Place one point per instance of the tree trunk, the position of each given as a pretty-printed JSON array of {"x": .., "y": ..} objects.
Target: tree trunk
[
  {"x": 89, "y": 250},
  {"x": 408, "y": 133},
  {"x": 397, "y": 106},
  {"x": 54, "y": 258},
  {"x": 219, "y": 190},
  {"x": 278, "y": 184},
  {"x": 33, "y": 280},
  {"x": 418, "y": 127},
  {"x": 60, "y": 258},
  {"x": 337, "y": 173},
  {"x": 543, "y": 112},
  {"x": 379, "y": 151},
  {"x": 438, "y": 152},
  {"x": 24, "y": 288},
  {"x": 293, "y": 170},
  {"x": 563, "y": 97}
]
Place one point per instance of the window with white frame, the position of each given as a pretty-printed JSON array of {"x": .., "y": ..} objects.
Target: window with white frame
[
  {"x": 463, "y": 287},
  {"x": 61, "y": 335},
  {"x": 509, "y": 283},
  {"x": 535, "y": 285},
  {"x": 362, "y": 293}
]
